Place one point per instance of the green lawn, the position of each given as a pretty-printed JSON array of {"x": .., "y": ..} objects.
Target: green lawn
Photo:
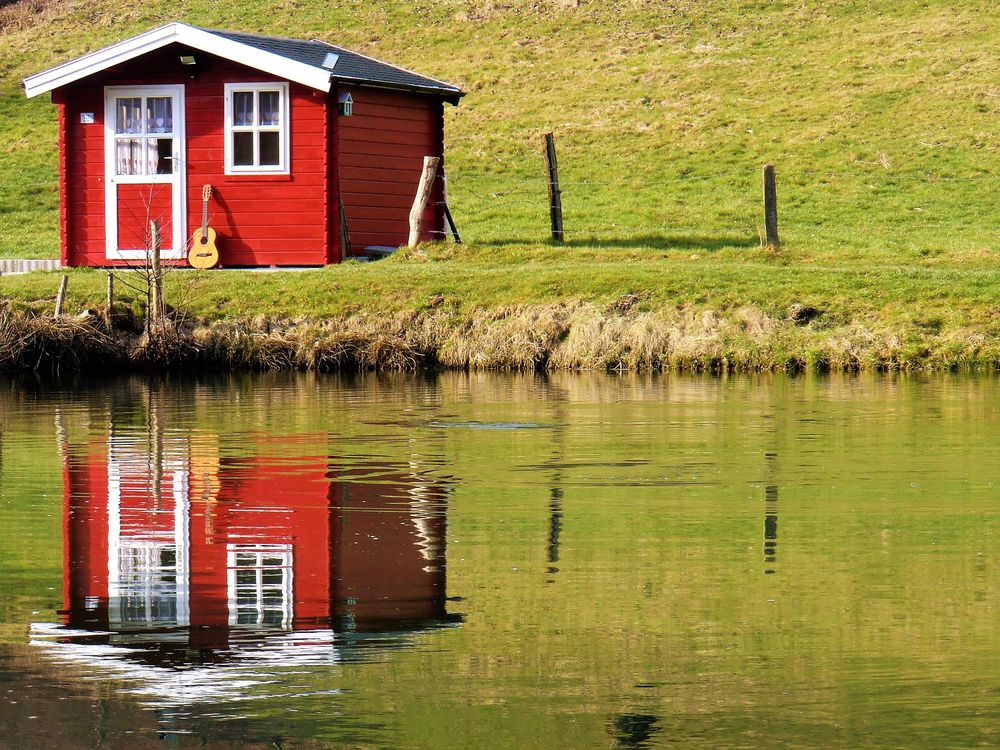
[{"x": 881, "y": 118}]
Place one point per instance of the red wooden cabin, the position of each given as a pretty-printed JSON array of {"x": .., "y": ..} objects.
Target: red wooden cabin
[{"x": 285, "y": 132}]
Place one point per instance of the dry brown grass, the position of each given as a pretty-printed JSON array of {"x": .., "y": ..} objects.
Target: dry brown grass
[
  {"x": 26, "y": 13},
  {"x": 574, "y": 336},
  {"x": 28, "y": 342}
]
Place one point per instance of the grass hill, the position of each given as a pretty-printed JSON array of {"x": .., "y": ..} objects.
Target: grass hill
[{"x": 881, "y": 117}]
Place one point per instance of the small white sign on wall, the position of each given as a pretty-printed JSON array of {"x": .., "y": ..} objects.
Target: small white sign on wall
[{"x": 87, "y": 118}]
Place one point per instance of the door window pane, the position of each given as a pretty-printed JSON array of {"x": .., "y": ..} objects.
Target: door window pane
[
  {"x": 129, "y": 156},
  {"x": 128, "y": 115},
  {"x": 152, "y": 157},
  {"x": 243, "y": 149},
  {"x": 164, "y": 150},
  {"x": 159, "y": 114},
  {"x": 150, "y": 120},
  {"x": 269, "y": 152}
]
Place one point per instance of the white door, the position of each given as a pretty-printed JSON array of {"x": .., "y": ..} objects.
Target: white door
[{"x": 144, "y": 170}]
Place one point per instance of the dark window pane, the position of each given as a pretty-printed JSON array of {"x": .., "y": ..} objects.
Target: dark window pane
[
  {"x": 246, "y": 578},
  {"x": 165, "y": 165},
  {"x": 272, "y": 577},
  {"x": 243, "y": 149},
  {"x": 272, "y": 618},
  {"x": 269, "y": 149}
]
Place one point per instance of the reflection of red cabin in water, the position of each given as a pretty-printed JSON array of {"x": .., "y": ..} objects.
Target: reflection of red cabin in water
[{"x": 219, "y": 546}]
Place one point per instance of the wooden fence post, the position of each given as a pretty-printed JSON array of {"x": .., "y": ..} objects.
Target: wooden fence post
[
  {"x": 109, "y": 313},
  {"x": 423, "y": 194},
  {"x": 555, "y": 195},
  {"x": 155, "y": 290},
  {"x": 61, "y": 295},
  {"x": 770, "y": 208}
]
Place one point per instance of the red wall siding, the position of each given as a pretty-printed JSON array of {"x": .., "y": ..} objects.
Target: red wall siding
[
  {"x": 263, "y": 501},
  {"x": 83, "y": 196},
  {"x": 380, "y": 152},
  {"x": 261, "y": 220},
  {"x": 85, "y": 545}
]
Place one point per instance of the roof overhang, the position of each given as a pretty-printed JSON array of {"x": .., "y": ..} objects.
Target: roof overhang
[
  {"x": 179, "y": 33},
  {"x": 451, "y": 95}
]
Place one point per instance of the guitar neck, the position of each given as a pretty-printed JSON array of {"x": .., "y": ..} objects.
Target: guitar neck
[{"x": 204, "y": 216}]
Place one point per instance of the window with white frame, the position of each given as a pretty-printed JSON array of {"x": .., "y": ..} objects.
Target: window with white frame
[
  {"x": 147, "y": 587},
  {"x": 260, "y": 584},
  {"x": 257, "y": 128}
]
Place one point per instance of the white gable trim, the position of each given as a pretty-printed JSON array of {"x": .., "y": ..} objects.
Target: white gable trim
[{"x": 180, "y": 33}]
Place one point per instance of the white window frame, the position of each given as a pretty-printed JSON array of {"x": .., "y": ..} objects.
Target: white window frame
[
  {"x": 283, "y": 128},
  {"x": 142, "y": 580},
  {"x": 259, "y": 552}
]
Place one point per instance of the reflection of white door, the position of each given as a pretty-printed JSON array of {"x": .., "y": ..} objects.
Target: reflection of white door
[
  {"x": 149, "y": 561},
  {"x": 144, "y": 169}
]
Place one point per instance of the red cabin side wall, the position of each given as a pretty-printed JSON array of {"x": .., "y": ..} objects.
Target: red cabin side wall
[
  {"x": 261, "y": 220},
  {"x": 379, "y": 572},
  {"x": 380, "y": 152}
]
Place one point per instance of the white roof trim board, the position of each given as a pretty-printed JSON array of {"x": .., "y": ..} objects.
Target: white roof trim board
[{"x": 181, "y": 33}]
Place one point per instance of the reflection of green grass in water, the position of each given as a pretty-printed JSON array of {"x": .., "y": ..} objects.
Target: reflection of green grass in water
[
  {"x": 30, "y": 521},
  {"x": 876, "y": 629}
]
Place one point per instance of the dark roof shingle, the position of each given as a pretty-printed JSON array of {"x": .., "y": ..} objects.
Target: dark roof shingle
[{"x": 350, "y": 66}]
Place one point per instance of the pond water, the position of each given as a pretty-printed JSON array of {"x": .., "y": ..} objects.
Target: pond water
[{"x": 458, "y": 561}]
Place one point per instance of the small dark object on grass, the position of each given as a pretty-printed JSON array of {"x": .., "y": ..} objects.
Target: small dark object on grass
[
  {"x": 436, "y": 301},
  {"x": 801, "y": 314},
  {"x": 626, "y": 303}
]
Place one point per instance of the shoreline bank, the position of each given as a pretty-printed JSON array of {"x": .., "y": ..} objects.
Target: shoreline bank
[{"x": 548, "y": 337}]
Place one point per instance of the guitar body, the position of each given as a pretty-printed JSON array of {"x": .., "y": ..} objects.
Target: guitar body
[{"x": 204, "y": 254}]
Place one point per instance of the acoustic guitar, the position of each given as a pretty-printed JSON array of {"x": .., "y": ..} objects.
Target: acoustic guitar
[{"x": 204, "y": 253}]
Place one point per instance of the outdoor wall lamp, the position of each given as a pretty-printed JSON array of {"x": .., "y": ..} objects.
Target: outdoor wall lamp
[{"x": 189, "y": 62}]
